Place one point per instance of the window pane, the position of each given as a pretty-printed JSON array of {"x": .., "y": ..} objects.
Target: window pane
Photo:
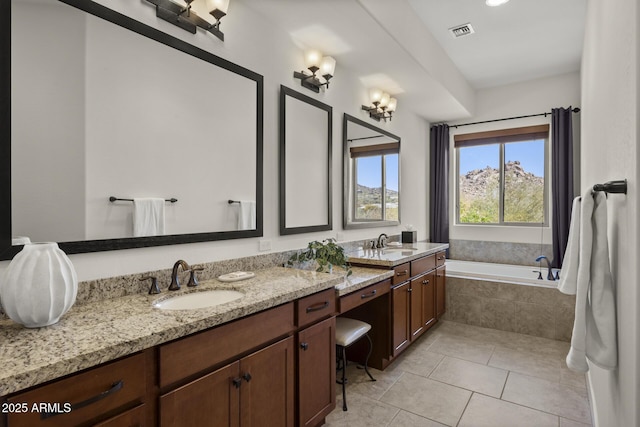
[
  {"x": 524, "y": 181},
  {"x": 479, "y": 180},
  {"x": 391, "y": 190},
  {"x": 368, "y": 188}
]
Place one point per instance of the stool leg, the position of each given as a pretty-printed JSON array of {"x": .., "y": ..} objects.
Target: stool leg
[
  {"x": 366, "y": 362},
  {"x": 344, "y": 380}
]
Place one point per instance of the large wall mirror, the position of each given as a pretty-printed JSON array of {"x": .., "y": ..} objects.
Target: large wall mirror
[
  {"x": 305, "y": 163},
  {"x": 371, "y": 159},
  {"x": 104, "y": 106}
]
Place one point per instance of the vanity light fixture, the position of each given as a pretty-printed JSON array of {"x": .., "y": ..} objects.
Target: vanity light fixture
[
  {"x": 314, "y": 61},
  {"x": 191, "y": 14},
  {"x": 382, "y": 105}
]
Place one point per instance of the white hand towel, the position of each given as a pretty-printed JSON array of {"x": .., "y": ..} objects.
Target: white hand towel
[
  {"x": 247, "y": 215},
  {"x": 148, "y": 216},
  {"x": 586, "y": 273}
]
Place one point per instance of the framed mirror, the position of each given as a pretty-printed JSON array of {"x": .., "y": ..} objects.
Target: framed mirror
[
  {"x": 305, "y": 163},
  {"x": 371, "y": 175},
  {"x": 106, "y": 110}
]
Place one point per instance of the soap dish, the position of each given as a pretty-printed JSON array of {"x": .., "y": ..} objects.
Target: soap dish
[{"x": 236, "y": 275}]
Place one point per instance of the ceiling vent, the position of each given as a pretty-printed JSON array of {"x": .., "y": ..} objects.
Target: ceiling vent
[{"x": 461, "y": 30}]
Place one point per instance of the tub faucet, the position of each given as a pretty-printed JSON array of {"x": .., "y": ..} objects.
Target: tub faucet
[
  {"x": 382, "y": 239},
  {"x": 550, "y": 272},
  {"x": 175, "y": 283}
]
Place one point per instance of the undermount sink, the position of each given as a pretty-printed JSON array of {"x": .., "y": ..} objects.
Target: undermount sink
[{"x": 197, "y": 300}]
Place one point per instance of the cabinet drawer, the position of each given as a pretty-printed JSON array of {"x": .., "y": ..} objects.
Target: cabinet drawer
[
  {"x": 423, "y": 265},
  {"x": 84, "y": 396},
  {"x": 362, "y": 296},
  {"x": 202, "y": 351},
  {"x": 132, "y": 417},
  {"x": 402, "y": 273},
  {"x": 315, "y": 307}
]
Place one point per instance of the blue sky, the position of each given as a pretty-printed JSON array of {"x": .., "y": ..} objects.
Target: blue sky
[
  {"x": 369, "y": 172},
  {"x": 529, "y": 153}
]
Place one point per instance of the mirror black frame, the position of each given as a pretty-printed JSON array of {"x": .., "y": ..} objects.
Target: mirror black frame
[
  {"x": 345, "y": 175},
  {"x": 7, "y": 251},
  {"x": 284, "y": 230}
]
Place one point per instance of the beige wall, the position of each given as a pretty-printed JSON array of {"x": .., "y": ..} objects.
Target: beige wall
[{"x": 610, "y": 151}]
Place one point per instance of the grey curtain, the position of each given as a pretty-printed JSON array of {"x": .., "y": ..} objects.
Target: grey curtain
[
  {"x": 439, "y": 183},
  {"x": 561, "y": 180}
]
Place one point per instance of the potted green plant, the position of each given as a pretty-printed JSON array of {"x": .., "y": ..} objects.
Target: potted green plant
[{"x": 326, "y": 254}]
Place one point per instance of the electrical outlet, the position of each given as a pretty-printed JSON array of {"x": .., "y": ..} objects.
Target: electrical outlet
[{"x": 264, "y": 245}]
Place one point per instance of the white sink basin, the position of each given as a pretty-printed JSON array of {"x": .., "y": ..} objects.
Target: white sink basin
[{"x": 197, "y": 300}]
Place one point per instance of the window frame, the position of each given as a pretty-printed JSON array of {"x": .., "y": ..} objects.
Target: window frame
[
  {"x": 501, "y": 137},
  {"x": 370, "y": 151}
]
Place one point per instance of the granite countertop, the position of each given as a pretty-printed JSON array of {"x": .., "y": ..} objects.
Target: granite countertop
[
  {"x": 362, "y": 277},
  {"x": 105, "y": 330},
  {"x": 392, "y": 256}
]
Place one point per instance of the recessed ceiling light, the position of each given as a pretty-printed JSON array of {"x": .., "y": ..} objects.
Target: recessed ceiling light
[{"x": 494, "y": 3}]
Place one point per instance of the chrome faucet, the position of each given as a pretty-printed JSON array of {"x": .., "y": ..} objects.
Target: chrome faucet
[
  {"x": 382, "y": 239},
  {"x": 175, "y": 283},
  {"x": 550, "y": 271}
]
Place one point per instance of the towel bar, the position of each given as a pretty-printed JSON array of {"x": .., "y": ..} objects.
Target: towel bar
[
  {"x": 612, "y": 187},
  {"x": 114, "y": 199}
]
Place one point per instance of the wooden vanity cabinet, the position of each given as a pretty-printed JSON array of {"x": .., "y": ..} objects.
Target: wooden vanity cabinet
[
  {"x": 108, "y": 394},
  {"x": 400, "y": 312},
  {"x": 316, "y": 372},
  {"x": 247, "y": 392},
  {"x": 246, "y": 373}
]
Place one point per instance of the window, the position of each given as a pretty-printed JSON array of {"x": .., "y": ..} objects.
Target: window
[
  {"x": 502, "y": 176},
  {"x": 375, "y": 169}
]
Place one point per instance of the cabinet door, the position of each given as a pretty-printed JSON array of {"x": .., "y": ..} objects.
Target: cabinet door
[
  {"x": 316, "y": 372},
  {"x": 440, "y": 291},
  {"x": 267, "y": 391},
  {"x": 132, "y": 418},
  {"x": 400, "y": 316},
  {"x": 428, "y": 283},
  {"x": 416, "y": 316},
  {"x": 212, "y": 400}
]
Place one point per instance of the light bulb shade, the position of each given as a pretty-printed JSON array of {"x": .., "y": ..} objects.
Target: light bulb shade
[
  {"x": 328, "y": 66},
  {"x": 384, "y": 99},
  {"x": 312, "y": 58},
  {"x": 494, "y": 3},
  {"x": 221, "y": 5},
  {"x": 391, "y": 106},
  {"x": 375, "y": 95}
]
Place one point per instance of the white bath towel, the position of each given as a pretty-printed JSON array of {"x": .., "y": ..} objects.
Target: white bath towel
[
  {"x": 587, "y": 274},
  {"x": 148, "y": 216},
  {"x": 247, "y": 215}
]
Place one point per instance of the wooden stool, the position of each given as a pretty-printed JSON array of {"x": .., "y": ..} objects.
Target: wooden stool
[{"x": 349, "y": 331}]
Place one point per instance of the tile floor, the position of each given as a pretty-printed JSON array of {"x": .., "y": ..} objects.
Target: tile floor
[{"x": 466, "y": 376}]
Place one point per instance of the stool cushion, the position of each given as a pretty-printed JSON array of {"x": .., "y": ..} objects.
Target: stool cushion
[{"x": 349, "y": 331}]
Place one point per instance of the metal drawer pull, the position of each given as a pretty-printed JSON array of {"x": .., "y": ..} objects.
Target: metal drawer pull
[
  {"x": 75, "y": 406},
  {"x": 318, "y": 307},
  {"x": 237, "y": 382},
  {"x": 409, "y": 290},
  {"x": 304, "y": 346},
  {"x": 425, "y": 282},
  {"x": 402, "y": 273},
  {"x": 369, "y": 295},
  {"x": 247, "y": 377}
]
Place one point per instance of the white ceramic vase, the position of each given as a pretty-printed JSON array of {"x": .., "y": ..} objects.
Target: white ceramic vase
[{"x": 39, "y": 285}]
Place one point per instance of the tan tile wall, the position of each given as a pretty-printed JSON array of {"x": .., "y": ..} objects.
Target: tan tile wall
[{"x": 531, "y": 310}]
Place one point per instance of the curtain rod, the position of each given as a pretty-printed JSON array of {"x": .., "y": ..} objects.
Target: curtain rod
[{"x": 574, "y": 110}]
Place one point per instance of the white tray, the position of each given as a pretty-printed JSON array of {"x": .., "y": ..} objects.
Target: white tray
[{"x": 236, "y": 275}]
